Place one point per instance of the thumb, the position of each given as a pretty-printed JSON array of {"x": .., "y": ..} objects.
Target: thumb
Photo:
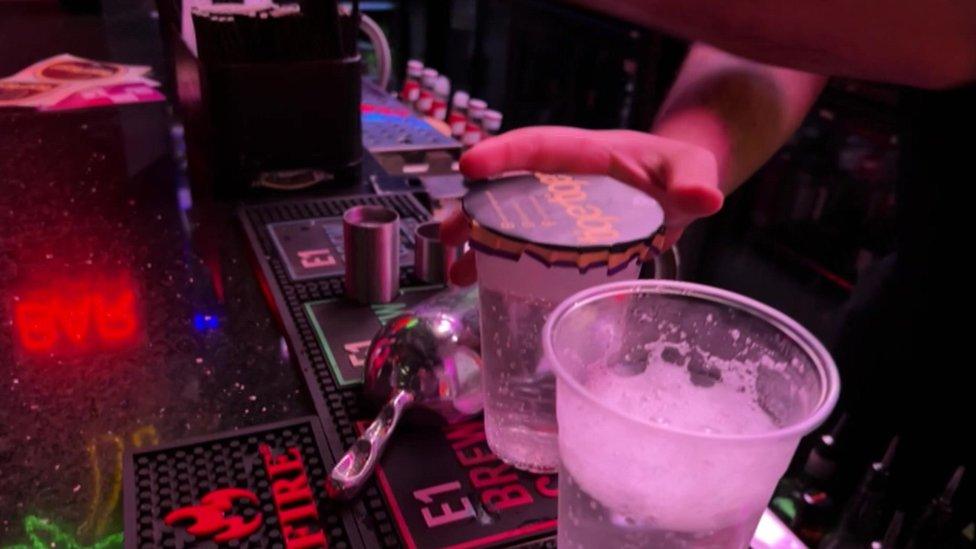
[{"x": 691, "y": 183}]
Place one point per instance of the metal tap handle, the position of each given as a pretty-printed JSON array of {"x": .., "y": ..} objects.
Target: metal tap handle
[
  {"x": 356, "y": 466},
  {"x": 667, "y": 265}
]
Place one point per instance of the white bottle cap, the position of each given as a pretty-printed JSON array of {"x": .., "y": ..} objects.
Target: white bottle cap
[
  {"x": 430, "y": 76},
  {"x": 414, "y": 68},
  {"x": 460, "y": 100},
  {"x": 476, "y": 108},
  {"x": 492, "y": 121},
  {"x": 471, "y": 137},
  {"x": 442, "y": 87}
]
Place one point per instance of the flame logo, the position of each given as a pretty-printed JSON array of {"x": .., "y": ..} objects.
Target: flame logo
[{"x": 209, "y": 519}]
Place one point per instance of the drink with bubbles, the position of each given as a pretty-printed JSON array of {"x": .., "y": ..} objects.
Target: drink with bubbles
[
  {"x": 539, "y": 238},
  {"x": 679, "y": 407}
]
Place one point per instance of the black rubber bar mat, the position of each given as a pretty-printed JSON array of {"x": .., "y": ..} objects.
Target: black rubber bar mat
[
  {"x": 336, "y": 405},
  {"x": 435, "y": 488},
  {"x": 258, "y": 487}
]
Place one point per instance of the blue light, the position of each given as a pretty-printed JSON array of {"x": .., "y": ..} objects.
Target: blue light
[{"x": 204, "y": 322}]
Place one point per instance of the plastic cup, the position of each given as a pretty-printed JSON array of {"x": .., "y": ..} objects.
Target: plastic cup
[
  {"x": 520, "y": 390},
  {"x": 540, "y": 238},
  {"x": 679, "y": 408}
]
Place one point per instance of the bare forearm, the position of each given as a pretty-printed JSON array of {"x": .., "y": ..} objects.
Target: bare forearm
[
  {"x": 740, "y": 110},
  {"x": 929, "y": 44}
]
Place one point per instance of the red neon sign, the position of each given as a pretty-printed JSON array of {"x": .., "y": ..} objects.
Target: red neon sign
[{"x": 71, "y": 315}]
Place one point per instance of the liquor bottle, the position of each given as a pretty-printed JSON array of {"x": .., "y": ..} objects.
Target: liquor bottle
[
  {"x": 864, "y": 516},
  {"x": 890, "y": 539},
  {"x": 806, "y": 502},
  {"x": 935, "y": 526}
]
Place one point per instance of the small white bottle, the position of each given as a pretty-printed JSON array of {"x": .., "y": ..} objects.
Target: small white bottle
[
  {"x": 458, "y": 119},
  {"x": 491, "y": 123},
  {"x": 425, "y": 102},
  {"x": 472, "y": 130},
  {"x": 410, "y": 92},
  {"x": 442, "y": 90}
]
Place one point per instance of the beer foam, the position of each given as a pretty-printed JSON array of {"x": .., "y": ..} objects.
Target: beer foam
[
  {"x": 686, "y": 391},
  {"x": 663, "y": 479}
]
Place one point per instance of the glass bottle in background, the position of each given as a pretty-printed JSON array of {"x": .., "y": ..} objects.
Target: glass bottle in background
[
  {"x": 458, "y": 119},
  {"x": 425, "y": 101},
  {"x": 472, "y": 129},
  {"x": 937, "y": 527},
  {"x": 890, "y": 539},
  {"x": 442, "y": 90},
  {"x": 491, "y": 123},
  {"x": 806, "y": 502},
  {"x": 410, "y": 92},
  {"x": 864, "y": 517}
]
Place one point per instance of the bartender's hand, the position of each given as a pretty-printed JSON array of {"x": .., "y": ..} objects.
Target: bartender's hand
[{"x": 683, "y": 178}]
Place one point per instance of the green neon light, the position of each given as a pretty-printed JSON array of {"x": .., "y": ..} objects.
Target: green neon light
[
  {"x": 326, "y": 348},
  {"x": 44, "y": 534},
  {"x": 388, "y": 311},
  {"x": 786, "y": 506}
]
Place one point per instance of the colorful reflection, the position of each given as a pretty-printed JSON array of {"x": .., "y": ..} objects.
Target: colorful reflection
[{"x": 44, "y": 534}]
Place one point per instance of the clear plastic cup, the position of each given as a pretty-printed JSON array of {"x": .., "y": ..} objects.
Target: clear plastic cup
[
  {"x": 520, "y": 390},
  {"x": 679, "y": 408},
  {"x": 539, "y": 238}
]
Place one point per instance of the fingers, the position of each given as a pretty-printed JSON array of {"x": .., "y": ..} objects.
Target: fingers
[
  {"x": 674, "y": 174},
  {"x": 671, "y": 237},
  {"x": 455, "y": 229},
  {"x": 693, "y": 183},
  {"x": 463, "y": 271},
  {"x": 681, "y": 176},
  {"x": 541, "y": 148},
  {"x": 684, "y": 193},
  {"x": 695, "y": 200}
]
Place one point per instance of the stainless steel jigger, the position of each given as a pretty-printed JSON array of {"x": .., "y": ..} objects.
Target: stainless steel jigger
[
  {"x": 371, "y": 241},
  {"x": 426, "y": 360},
  {"x": 433, "y": 258}
]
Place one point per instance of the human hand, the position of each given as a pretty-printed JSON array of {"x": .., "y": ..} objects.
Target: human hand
[{"x": 682, "y": 177}]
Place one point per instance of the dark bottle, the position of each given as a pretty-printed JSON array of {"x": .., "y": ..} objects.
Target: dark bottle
[
  {"x": 805, "y": 502},
  {"x": 890, "y": 539},
  {"x": 935, "y": 526},
  {"x": 863, "y": 519}
]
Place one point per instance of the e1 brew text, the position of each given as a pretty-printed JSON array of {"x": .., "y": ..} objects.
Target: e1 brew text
[{"x": 499, "y": 486}]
